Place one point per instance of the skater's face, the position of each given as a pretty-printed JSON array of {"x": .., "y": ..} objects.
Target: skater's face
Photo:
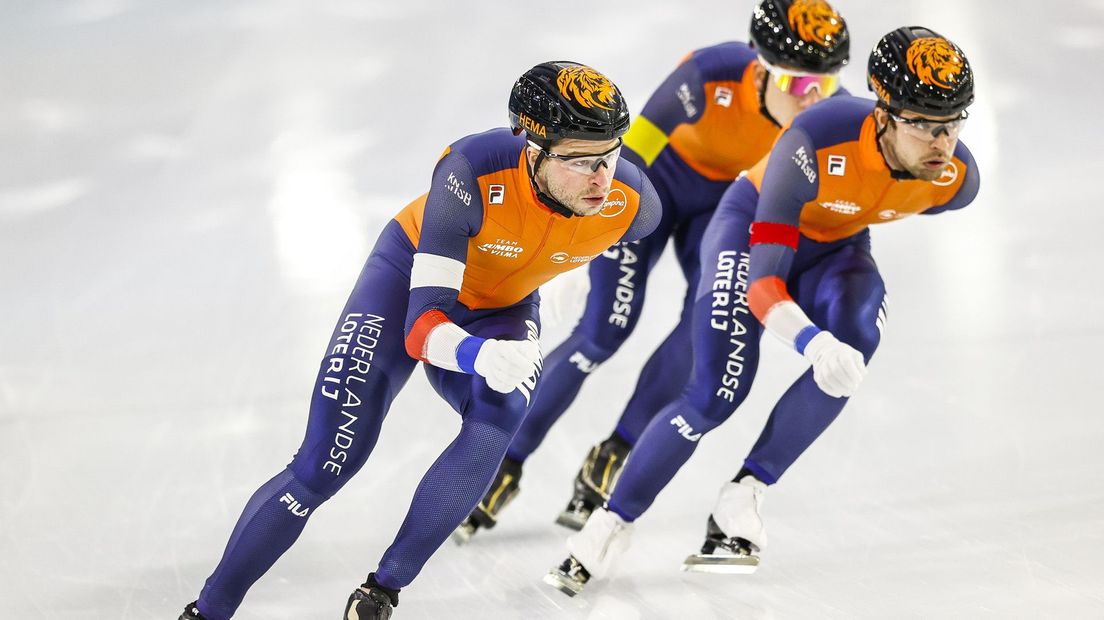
[
  {"x": 919, "y": 145},
  {"x": 788, "y": 91},
  {"x": 577, "y": 173}
]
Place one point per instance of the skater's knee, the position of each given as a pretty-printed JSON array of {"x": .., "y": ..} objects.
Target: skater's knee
[
  {"x": 717, "y": 404},
  {"x": 692, "y": 423},
  {"x": 863, "y": 335},
  {"x": 321, "y": 480},
  {"x": 301, "y": 493},
  {"x": 859, "y": 322}
]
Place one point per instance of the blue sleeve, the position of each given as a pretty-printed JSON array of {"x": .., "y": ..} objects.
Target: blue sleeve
[
  {"x": 648, "y": 213},
  {"x": 453, "y": 214},
  {"x": 969, "y": 188},
  {"x": 679, "y": 99},
  {"x": 790, "y": 181}
]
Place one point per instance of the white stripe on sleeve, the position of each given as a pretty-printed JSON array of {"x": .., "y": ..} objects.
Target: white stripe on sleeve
[{"x": 433, "y": 270}]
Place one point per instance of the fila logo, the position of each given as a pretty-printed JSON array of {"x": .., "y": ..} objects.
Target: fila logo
[
  {"x": 684, "y": 428},
  {"x": 582, "y": 362},
  {"x": 837, "y": 165},
  {"x": 496, "y": 194},
  {"x": 723, "y": 96},
  {"x": 949, "y": 176},
  {"x": 293, "y": 505}
]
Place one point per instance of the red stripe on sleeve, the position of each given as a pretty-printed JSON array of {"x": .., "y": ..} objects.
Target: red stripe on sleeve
[
  {"x": 770, "y": 232},
  {"x": 416, "y": 339},
  {"x": 764, "y": 293}
]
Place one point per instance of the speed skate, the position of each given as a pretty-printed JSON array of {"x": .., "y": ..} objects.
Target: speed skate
[{"x": 721, "y": 554}]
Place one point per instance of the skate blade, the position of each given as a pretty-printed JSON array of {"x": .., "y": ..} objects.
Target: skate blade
[
  {"x": 572, "y": 520},
  {"x": 562, "y": 582},
  {"x": 722, "y": 564},
  {"x": 462, "y": 535}
]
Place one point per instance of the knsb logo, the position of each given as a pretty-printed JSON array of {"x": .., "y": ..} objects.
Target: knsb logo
[
  {"x": 496, "y": 194},
  {"x": 685, "y": 429},
  {"x": 949, "y": 176},
  {"x": 559, "y": 258},
  {"x": 616, "y": 203},
  {"x": 889, "y": 214}
]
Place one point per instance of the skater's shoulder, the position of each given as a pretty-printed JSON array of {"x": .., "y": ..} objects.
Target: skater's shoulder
[{"x": 490, "y": 151}]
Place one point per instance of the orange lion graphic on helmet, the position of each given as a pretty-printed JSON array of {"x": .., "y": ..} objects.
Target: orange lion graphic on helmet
[
  {"x": 815, "y": 21},
  {"x": 586, "y": 86},
  {"x": 935, "y": 61}
]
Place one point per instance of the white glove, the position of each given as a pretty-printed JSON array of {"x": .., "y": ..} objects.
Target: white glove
[
  {"x": 563, "y": 298},
  {"x": 837, "y": 368},
  {"x": 506, "y": 364}
]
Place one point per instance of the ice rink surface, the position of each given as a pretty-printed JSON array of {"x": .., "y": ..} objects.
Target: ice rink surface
[{"x": 188, "y": 191}]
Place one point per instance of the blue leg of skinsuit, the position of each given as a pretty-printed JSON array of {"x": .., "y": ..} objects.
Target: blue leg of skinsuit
[
  {"x": 366, "y": 364},
  {"x": 837, "y": 278},
  {"x": 667, "y": 370},
  {"x": 842, "y": 293},
  {"x": 595, "y": 339},
  {"x": 454, "y": 484}
]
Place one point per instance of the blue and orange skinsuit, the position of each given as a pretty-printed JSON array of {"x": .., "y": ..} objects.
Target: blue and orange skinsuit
[
  {"x": 701, "y": 128},
  {"x": 482, "y": 215},
  {"x": 794, "y": 229}
]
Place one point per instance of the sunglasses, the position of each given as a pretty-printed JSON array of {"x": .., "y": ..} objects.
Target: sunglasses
[
  {"x": 584, "y": 164},
  {"x": 926, "y": 128},
  {"x": 799, "y": 84}
]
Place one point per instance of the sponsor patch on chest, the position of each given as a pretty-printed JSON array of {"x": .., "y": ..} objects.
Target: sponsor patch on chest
[{"x": 505, "y": 248}]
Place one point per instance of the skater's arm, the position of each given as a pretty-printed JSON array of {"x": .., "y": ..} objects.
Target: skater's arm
[
  {"x": 453, "y": 214},
  {"x": 791, "y": 180},
  {"x": 649, "y": 211}
]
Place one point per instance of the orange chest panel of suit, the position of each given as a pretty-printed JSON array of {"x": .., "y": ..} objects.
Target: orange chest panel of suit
[
  {"x": 521, "y": 244},
  {"x": 856, "y": 189},
  {"x": 731, "y": 135}
]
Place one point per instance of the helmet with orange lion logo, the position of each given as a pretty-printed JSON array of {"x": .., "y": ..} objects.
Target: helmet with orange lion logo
[
  {"x": 917, "y": 69},
  {"x": 807, "y": 35},
  {"x": 561, "y": 99}
]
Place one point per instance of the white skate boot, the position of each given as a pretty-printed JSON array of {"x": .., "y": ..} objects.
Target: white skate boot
[
  {"x": 734, "y": 533},
  {"x": 594, "y": 551}
]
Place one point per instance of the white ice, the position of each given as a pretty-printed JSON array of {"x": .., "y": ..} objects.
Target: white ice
[{"x": 187, "y": 193}]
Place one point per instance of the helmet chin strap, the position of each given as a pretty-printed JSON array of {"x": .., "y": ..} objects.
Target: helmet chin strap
[
  {"x": 555, "y": 205},
  {"x": 763, "y": 99},
  {"x": 899, "y": 175}
]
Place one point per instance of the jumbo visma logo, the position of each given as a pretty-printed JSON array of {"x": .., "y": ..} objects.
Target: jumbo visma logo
[
  {"x": 586, "y": 87},
  {"x": 935, "y": 61},
  {"x": 815, "y": 21}
]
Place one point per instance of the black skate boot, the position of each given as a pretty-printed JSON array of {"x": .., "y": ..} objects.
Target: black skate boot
[
  {"x": 191, "y": 612},
  {"x": 371, "y": 601},
  {"x": 595, "y": 481},
  {"x": 569, "y": 578},
  {"x": 485, "y": 515},
  {"x": 721, "y": 554}
]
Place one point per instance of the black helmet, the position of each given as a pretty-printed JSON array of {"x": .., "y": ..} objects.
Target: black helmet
[
  {"x": 556, "y": 100},
  {"x": 807, "y": 35},
  {"x": 919, "y": 70}
]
